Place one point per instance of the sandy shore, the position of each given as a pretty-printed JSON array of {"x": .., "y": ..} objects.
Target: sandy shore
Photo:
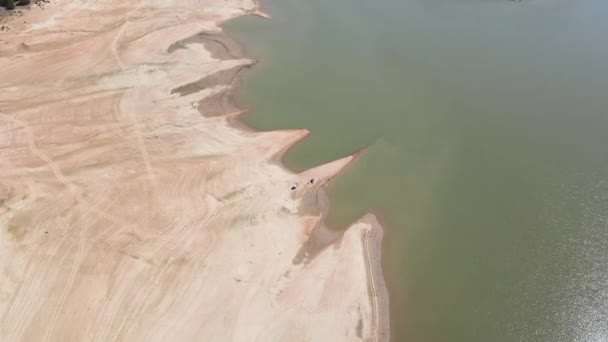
[{"x": 126, "y": 215}]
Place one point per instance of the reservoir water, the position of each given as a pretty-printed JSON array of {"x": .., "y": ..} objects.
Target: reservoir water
[{"x": 486, "y": 127}]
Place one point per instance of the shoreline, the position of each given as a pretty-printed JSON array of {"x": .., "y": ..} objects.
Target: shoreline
[
  {"x": 371, "y": 232},
  {"x": 378, "y": 293},
  {"x": 378, "y": 249}
]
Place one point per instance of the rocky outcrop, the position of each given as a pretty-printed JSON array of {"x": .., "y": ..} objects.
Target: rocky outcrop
[{"x": 10, "y": 4}]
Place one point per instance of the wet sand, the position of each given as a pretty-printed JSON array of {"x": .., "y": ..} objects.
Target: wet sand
[{"x": 134, "y": 206}]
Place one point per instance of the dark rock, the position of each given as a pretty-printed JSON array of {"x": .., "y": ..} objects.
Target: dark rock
[{"x": 10, "y": 4}]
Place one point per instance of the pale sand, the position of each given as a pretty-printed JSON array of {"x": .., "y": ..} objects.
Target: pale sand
[{"x": 126, "y": 215}]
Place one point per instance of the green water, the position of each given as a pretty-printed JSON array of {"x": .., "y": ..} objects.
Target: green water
[{"x": 486, "y": 123}]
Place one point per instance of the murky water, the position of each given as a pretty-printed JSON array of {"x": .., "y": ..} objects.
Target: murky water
[{"x": 486, "y": 123}]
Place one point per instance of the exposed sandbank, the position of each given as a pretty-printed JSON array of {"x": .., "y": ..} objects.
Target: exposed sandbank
[{"x": 125, "y": 214}]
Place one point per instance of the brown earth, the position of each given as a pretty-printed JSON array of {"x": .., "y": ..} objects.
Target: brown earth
[{"x": 126, "y": 215}]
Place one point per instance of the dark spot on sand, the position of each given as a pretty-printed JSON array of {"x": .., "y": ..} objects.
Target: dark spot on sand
[{"x": 359, "y": 328}]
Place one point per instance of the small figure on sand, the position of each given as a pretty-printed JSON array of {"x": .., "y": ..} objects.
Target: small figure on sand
[{"x": 295, "y": 186}]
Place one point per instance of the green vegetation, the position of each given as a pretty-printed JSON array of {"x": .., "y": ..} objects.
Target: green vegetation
[{"x": 10, "y": 4}]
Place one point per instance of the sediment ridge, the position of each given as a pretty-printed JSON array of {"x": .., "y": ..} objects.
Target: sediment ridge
[{"x": 135, "y": 207}]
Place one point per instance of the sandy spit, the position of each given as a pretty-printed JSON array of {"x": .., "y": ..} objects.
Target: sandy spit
[{"x": 126, "y": 215}]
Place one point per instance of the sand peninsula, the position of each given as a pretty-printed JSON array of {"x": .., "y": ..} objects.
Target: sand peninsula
[{"x": 131, "y": 210}]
